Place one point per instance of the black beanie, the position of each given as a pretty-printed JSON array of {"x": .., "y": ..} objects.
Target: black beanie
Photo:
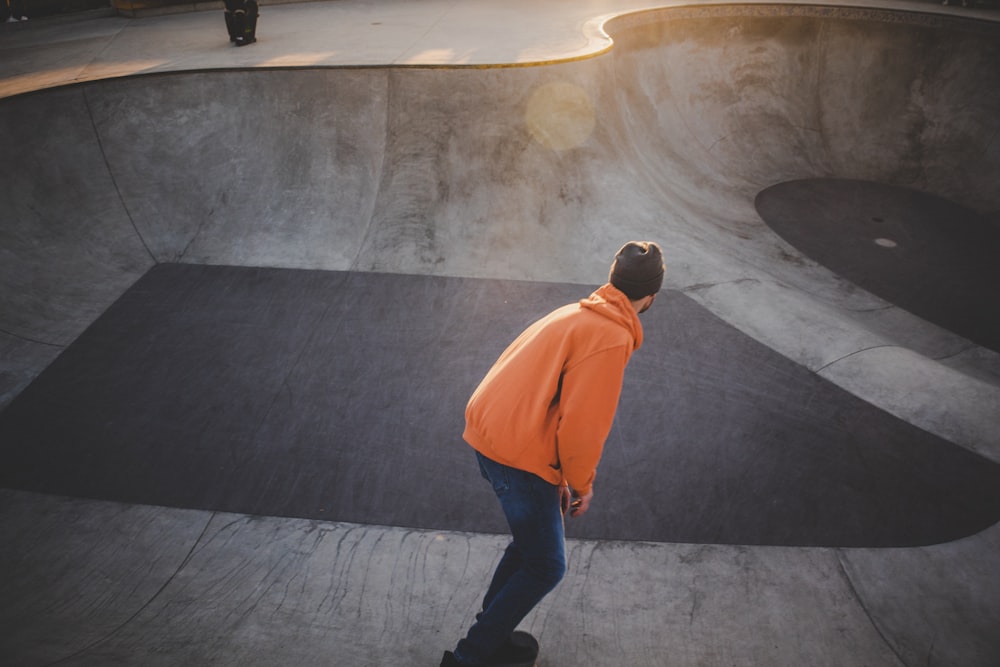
[{"x": 638, "y": 269}]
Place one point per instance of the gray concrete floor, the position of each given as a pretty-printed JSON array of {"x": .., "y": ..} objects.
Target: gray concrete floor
[{"x": 93, "y": 582}]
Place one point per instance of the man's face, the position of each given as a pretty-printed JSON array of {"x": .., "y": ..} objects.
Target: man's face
[{"x": 649, "y": 302}]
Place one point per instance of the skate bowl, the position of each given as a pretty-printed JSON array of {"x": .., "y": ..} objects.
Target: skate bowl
[{"x": 462, "y": 188}]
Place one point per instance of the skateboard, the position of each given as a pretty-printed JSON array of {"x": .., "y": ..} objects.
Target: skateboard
[{"x": 521, "y": 640}]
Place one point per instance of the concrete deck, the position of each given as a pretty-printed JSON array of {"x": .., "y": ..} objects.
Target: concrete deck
[{"x": 440, "y": 159}]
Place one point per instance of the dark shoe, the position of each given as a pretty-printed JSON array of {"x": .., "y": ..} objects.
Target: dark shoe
[
  {"x": 243, "y": 41},
  {"x": 449, "y": 660},
  {"x": 520, "y": 648}
]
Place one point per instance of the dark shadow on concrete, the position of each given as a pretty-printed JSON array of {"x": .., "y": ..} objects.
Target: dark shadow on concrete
[
  {"x": 340, "y": 396},
  {"x": 930, "y": 256}
]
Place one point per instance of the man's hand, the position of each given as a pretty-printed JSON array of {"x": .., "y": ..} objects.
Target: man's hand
[
  {"x": 565, "y": 498},
  {"x": 576, "y": 505}
]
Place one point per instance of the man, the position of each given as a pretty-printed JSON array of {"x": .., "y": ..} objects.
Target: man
[
  {"x": 538, "y": 422},
  {"x": 241, "y": 21},
  {"x": 13, "y": 11}
]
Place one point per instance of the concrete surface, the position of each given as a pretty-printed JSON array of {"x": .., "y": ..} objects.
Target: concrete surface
[{"x": 669, "y": 134}]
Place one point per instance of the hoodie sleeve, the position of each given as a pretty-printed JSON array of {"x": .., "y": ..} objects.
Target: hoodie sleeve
[{"x": 588, "y": 400}]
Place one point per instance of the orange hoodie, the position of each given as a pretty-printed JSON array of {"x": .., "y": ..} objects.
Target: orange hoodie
[{"x": 547, "y": 404}]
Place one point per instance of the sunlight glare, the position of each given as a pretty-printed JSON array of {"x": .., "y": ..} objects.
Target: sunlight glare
[{"x": 560, "y": 115}]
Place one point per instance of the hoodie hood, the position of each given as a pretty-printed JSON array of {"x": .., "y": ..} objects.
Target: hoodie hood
[{"x": 610, "y": 302}]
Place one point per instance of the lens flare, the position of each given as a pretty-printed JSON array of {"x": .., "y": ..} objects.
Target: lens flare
[{"x": 560, "y": 115}]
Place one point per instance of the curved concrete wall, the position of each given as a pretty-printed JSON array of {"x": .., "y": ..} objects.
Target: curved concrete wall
[
  {"x": 531, "y": 173},
  {"x": 724, "y": 102},
  {"x": 746, "y": 97}
]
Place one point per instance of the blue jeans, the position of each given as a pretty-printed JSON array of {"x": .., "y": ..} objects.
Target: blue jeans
[{"x": 532, "y": 565}]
